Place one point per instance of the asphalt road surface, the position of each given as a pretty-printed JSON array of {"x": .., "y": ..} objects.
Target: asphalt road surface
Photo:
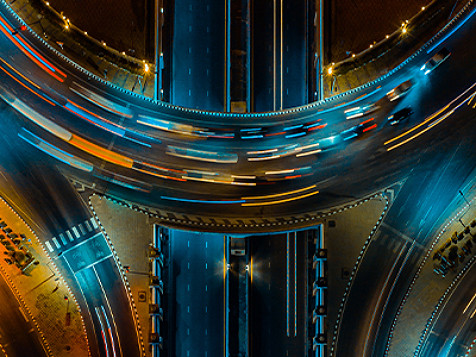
[
  {"x": 279, "y": 54},
  {"x": 49, "y": 203},
  {"x": 278, "y": 295},
  {"x": 454, "y": 329},
  {"x": 18, "y": 336},
  {"x": 197, "y": 295},
  {"x": 393, "y": 255},
  {"x": 198, "y": 55},
  {"x": 358, "y": 166}
]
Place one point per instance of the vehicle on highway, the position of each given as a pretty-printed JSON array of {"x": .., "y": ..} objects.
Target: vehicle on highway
[
  {"x": 358, "y": 130},
  {"x": 400, "y": 115},
  {"x": 360, "y": 111},
  {"x": 435, "y": 61},
  {"x": 400, "y": 90},
  {"x": 238, "y": 246}
]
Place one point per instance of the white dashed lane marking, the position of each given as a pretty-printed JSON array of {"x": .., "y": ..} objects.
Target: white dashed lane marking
[
  {"x": 93, "y": 221},
  {"x": 75, "y": 231},
  {"x": 48, "y": 245},
  {"x": 63, "y": 239},
  {"x": 70, "y": 236},
  {"x": 55, "y": 241}
]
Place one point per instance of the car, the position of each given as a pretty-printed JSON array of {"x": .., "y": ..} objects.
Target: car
[
  {"x": 360, "y": 111},
  {"x": 435, "y": 61},
  {"x": 400, "y": 90},
  {"x": 359, "y": 129},
  {"x": 400, "y": 115}
]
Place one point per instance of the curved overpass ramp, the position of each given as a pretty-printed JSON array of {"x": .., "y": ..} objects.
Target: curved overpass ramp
[{"x": 190, "y": 167}]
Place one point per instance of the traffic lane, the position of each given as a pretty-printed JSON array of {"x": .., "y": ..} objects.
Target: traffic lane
[
  {"x": 278, "y": 314},
  {"x": 381, "y": 329},
  {"x": 371, "y": 167},
  {"x": 295, "y": 61},
  {"x": 41, "y": 194},
  {"x": 119, "y": 300},
  {"x": 262, "y": 32},
  {"x": 198, "y": 294},
  {"x": 18, "y": 337},
  {"x": 453, "y": 328},
  {"x": 369, "y": 292},
  {"x": 215, "y": 307},
  {"x": 198, "y": 46},
  {"x": 109, "y": 310},
  {"x": 459, "y": 32},
  {"x": 264, "y": 323},
  {"x": 93, "y": 297},
  {"x": 51, "y": 192},
  {"x": 418, "y": 208},
  {"x": 233, "y": 306},
  {"x": 97, "y": 278}
]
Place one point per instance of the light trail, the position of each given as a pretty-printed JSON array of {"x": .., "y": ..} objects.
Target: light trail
[
  {"x": 31, "y": 53},
  {"x": 278, "y": 194},
  {"x": 101, "y": 101},
  {"x": 55, "y": 152},
  {"x": 100, "y": 152},
  {"x": 25, "y": 86},
  {"x": 429, "y": 119},
  {"x": 469, "y": 304},
  {"x": 267, "y": 203}
]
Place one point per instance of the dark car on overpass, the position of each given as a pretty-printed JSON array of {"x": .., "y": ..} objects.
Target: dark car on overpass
[{"x": 402, "y": 114}]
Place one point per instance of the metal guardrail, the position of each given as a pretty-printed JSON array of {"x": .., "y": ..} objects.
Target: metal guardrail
[
  {"x": 156, "y": 286},
  {"x": 319, "y": 287}
]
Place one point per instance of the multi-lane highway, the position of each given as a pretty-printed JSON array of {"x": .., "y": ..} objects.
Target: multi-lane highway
[
  {"x": 280, "y": 48},
  {"x": 258, "y": 165},
  {"x": 196, "y": 298},
  {"x": 198, "y": 55},
  {"x": 453, "y": 332},
  {"x": 392, "y": 257},
  {"x": 126, "y": 144},
  {"x": 278, "y": 295},
  {"x": 71, "y": 236}
]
